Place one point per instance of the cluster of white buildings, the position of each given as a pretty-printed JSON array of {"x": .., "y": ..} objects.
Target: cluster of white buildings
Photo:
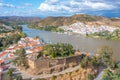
[
  {"x": 31, "y": 45},
  {"x": 82, "y": 28}
]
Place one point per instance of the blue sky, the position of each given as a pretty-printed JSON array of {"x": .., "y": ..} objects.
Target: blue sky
[{"x": 44, "y": 8}]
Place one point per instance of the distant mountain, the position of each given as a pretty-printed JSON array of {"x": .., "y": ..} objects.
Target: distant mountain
[
  {"x": 17, "y": 19},
  {"x": 84, "y": 18},
  {"x": 9, "y": 23},
  {"x": 60, "y": 21}
]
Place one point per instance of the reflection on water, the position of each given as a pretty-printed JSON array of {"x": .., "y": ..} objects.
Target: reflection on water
[{"x": 79, "y": 42}]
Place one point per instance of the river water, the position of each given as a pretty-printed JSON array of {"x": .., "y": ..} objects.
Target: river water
[{"x": 82, "y": 43}]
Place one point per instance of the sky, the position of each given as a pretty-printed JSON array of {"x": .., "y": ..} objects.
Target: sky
[{"x": 45, "y": 8}]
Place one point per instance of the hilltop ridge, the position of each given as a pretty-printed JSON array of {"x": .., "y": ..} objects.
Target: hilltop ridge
[{"x": 84, "y": 18}]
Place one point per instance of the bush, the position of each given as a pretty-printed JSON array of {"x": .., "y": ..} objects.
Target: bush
[
  {"x": 105, "y": 55},
  {"x": 112, "y": 75},
  {"x": 91, "y": 77},
  {"x": 58, "y": 50},
  {"x": 40, "y": 79},
  {"x": 84, "y": 62},
  {"x": 53, "y": 77},
  {"x": 19, "y": 77},
  {"x": 94, "y": 61}
]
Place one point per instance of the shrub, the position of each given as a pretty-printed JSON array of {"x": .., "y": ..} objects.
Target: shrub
[{"x": 91, "y": 77}]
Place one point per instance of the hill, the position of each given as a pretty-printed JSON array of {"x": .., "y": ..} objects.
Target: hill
[
  {"x": 9, "y": 20},
  {"x": 84, "y": 18}
]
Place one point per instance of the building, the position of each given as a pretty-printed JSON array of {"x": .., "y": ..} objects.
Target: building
[
  {"x": 31, "y": 45},
  {"x": 46, "y": 65}
]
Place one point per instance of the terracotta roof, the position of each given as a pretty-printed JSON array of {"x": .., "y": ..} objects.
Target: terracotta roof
[
  {"x": 35, "y": 38},
  {"x": 36, "y": 49},
  {"x": 9, "y": 48},
  {"x": 11, "y": 55},
  {"x": 1, "y": 61},
  {"x": 26, "y": 42},
  {"x": 39, "y": 48},
  {"x": 2, "y": 54}
]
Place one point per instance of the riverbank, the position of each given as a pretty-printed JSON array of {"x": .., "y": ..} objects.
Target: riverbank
[
  {"x": 77, "y": 73},
  {"x": 49, "y": 28},
  {"x": 82, "y": 43},
  {"x": 106, "y": 35},
  {"x": 103, "y": 32}
]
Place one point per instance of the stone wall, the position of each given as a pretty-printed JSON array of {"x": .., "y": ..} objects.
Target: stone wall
[
  {"x": 54, "y": 62},
  {"x": 48, "y": 65},
  {"x": 73, "y": 59},
  {"x": 42, "y": 63}
]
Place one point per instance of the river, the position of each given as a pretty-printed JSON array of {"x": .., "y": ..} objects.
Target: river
[{"x": 79, "y": 42}]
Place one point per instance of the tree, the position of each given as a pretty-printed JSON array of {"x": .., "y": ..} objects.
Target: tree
[
  {"x": 105, "y": 55},
  {"x": 19, "y": 28},
  {"x": 14, "y": 61},
  {"x": 20, "y": 52},
  {"x": 94, "y": 61},
  {"x": 6, "y": 41},
  {"x": 107, "y": 75},
  {"x": 117, "y": 32},
  {"x": 53, "y": 77},
  {"x": 58, "y": 50},
  {"x": 91, "y": 77},
  {"x": 22, "y": 34},
  {"x": 84, "y": 62},
  {"x": 19, "y": 77},
  {"x": 21, "y": 60},
  {"x": 37, "y": 37},
  {"x": 10, "y": 74},
  {"x": 1, "y": 49},
  {"x": 40, "y": 79},
  {"x": 49, "y": 50},
  {"x": 112, "y": 75}
]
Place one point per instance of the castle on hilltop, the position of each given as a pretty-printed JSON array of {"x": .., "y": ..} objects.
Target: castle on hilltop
[{"x": 45, "y": 65}]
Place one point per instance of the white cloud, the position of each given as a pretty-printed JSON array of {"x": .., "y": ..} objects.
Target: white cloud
[
  {"x": 7, "y": 5},
  {"x": 47, "y": 7},
  {"x": 13, "y": 6},
  {"x": 18, "y": 13},
  {"x": 52, "y": 2},
  {"x": 74, "y": 5},
  {"x": 99, "y": 5},
  {"x": 27, "y": 4}
]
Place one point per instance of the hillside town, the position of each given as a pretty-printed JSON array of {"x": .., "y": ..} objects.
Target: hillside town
[
  {"x": 34, "y": 59},
  {"x": 59, "y": 39},
  {"x": 31, "y": 45},
  {"x": 39, "y": 65},
  {"x": 84, "y": 29}
]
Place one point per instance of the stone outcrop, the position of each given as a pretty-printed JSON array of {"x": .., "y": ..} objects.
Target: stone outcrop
[{"x": 80, "y": 74}]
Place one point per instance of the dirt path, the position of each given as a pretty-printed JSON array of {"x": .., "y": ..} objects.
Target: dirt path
[
  {"x": 100, "y": 74},
  {"x": 25, "y": 75}
]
